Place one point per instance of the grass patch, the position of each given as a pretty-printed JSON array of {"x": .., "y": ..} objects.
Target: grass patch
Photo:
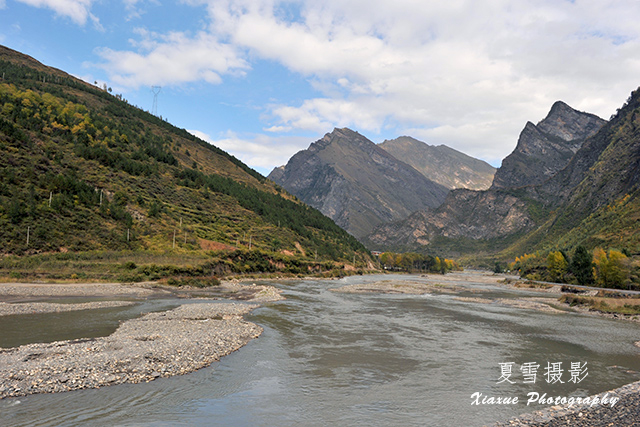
[
  {"x": 532, "y": 285},
  {"x": 195, "y": 282},
  {"x": 629, "y": 306}
]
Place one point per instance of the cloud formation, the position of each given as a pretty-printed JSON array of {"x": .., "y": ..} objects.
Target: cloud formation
[
  {"x": 259, "y": 151},
  {"x": 465, "y": 73},
  {"x": 77, "y": 10},
  {"x": 171, "y": 59}
]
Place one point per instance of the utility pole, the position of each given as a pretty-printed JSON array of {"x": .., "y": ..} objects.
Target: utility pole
[
  {"x": 50, "y": 197},
  {"x": 249, "y": 241},
  {"x": 28, "y": 231}
]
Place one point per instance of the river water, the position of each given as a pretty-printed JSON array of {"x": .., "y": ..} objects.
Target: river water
[{"x": 328, "y": 358}]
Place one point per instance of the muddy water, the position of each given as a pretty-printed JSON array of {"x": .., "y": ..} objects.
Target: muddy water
[{"x": 330, "y": 358}]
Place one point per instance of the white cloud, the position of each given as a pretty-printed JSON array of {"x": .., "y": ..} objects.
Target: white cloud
[
  {"x": 261, "y": 152},
  {"x": 174, "y": 58},
  {"x": 77, "y": 10},
  {"x": 133, "y": 8},
  {"x": 464, "y": 73},
  {"x": 277, "y": 129}
]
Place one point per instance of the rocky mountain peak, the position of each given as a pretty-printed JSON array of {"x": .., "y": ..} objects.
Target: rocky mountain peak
[
  {"x": 339, "y": 136},
  {"x": 355, "y": 182},
  {"x": 546, "y": 148},
  {"x": 568, "y": 124}
]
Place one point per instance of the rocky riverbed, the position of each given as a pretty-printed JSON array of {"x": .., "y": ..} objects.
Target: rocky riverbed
[
  {"x": 163, "y": 344},
  {"x": 624, "y": 413}
]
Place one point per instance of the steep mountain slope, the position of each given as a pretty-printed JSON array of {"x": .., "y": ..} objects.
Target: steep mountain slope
[
  {"x": 442, "y": 164},
  {"x": 546, "y": 148},
  {"x": 356, "y": 183},
  {"x": 81, "y": 169},
  {"x": 465, "y": 216},
  {"x": 594, "y": 200}
]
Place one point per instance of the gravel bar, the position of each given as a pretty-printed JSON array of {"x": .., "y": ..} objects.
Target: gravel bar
[
  {"x": 155, "y": 345},
  {"x": 47, "y": 307},
  {"x": 12, "y": 291},
  {"x": 626, "y": 412}
]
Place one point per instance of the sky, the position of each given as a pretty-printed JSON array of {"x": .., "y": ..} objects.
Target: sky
[{"x": 262, "y": 79}]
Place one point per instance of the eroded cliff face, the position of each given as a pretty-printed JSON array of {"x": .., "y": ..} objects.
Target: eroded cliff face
[
  {"x": 546, "y": 148},
  {"x": 442, "y": 164},
  {"x": 464, "y": 214},
  {"x": 356, "y": 183}
]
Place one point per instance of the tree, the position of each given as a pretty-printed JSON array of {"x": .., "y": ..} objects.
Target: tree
[
  {"x": 618, "y": 269},
  {"x": 582, "y": 266},
  {"x": 388, "y": 259},
  {"x": 610, "y": 271},
  {"x": 498, "y": 268},
  {"x": 557, "y": 265},
  {"x": 600, "y": 266}
]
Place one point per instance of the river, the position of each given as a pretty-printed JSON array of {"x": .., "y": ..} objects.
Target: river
[{"x": 330, "y": 358}]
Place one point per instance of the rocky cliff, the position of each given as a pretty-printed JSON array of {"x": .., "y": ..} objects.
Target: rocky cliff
[
  {"x": 465, "y": 215},
  {"x": 442, "y": 164},
  {"x": 546, "y": 148},
  {"x": 356, "y": 183}
]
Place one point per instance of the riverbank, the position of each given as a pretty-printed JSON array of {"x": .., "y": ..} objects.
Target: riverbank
[
  {"x": 599, "y": 302},
  {"x": 175, "y": 342},
  {"x": 626, "y": 412}
]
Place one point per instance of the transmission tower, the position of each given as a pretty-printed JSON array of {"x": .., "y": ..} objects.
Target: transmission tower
[{"x": 156, "y": 90}]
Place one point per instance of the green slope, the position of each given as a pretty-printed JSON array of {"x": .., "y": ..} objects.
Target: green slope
[{"x": 82, "y": 170}]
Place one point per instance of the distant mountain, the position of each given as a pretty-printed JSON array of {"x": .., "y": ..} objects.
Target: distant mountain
[
  {"x": 544, "y": 149},
  {"x": 356, "y": 183},
  {"x": 442, "y": 164},
  {"x": 83, "y": 170},
  {"x": 593, "y": 199}
]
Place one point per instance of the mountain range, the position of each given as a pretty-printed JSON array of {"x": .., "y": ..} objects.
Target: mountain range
[
  {"x": 573, "y": 179},
  {"x": 360, "y": 184},
  {"x": 356, "y": 183}
]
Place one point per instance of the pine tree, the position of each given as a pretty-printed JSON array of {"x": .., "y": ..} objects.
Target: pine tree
[{"x": 582, "y": 266}]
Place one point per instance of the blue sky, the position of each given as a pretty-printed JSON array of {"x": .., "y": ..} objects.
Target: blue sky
[{"x": 263, "y": 79}]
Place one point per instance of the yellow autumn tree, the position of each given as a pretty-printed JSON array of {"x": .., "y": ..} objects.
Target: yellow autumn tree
[
  {"x": 610, "y": 270},
  {"x": 557, "y": 266}
]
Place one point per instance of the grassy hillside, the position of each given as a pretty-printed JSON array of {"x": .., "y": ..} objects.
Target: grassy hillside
[{"x": 82, "y": 170}]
